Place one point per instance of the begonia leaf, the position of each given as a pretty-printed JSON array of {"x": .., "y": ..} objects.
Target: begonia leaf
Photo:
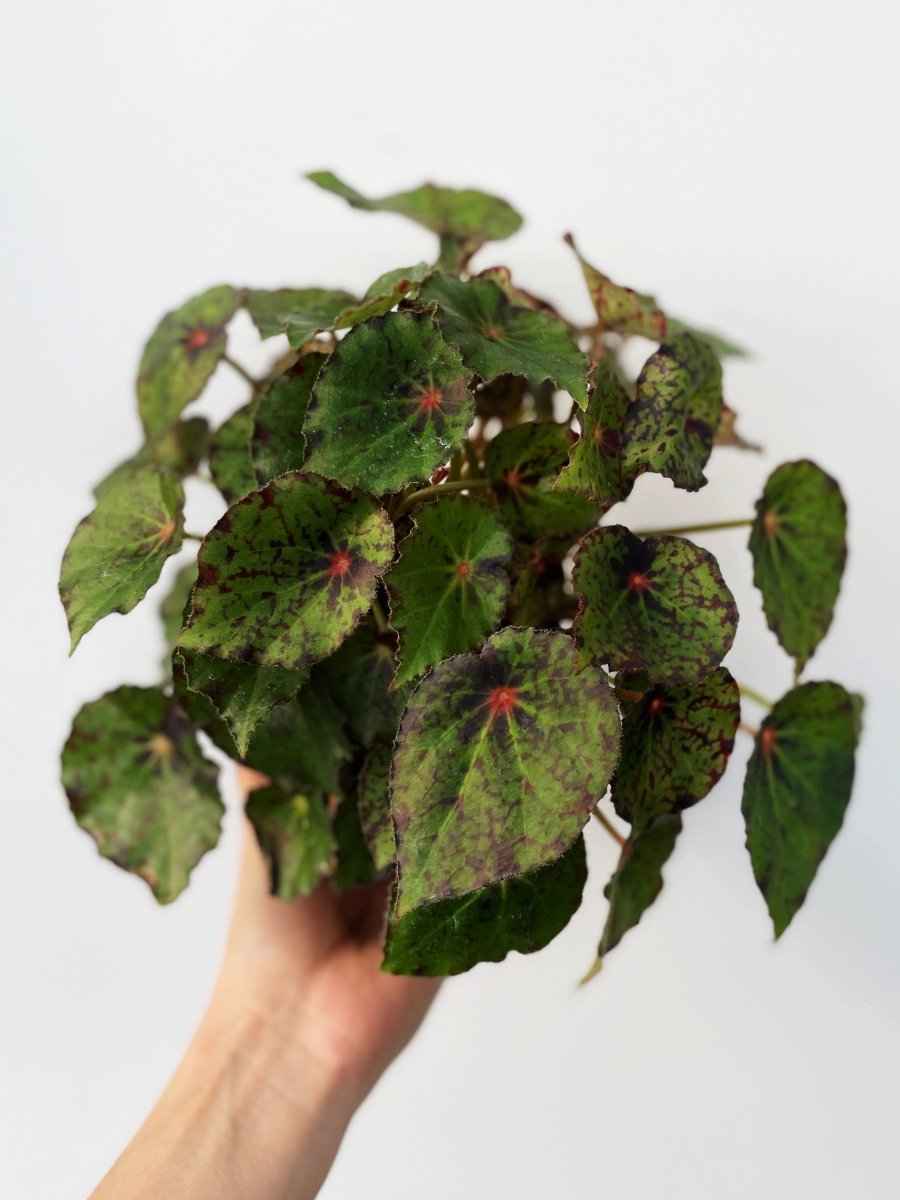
[
  {"x": 724, "y": 347},
  {"x": 139, "y": 785},
  {"x": 392, "y": 403},
  {"x": 277, "y": 443},
  {"x": 799, "y": 547},
  {"x": 358, "y": 678},
  {"x": 181, "y": 355},
  {"x": 385, "y": 293},
  {"x": 173, "y": 609},
  {"x": 621, "y": 309},
  {"x": 374, "y": 807},
  {"x": 230, "y": 463},
  {"x": 449, "y": 584},
  {"x": 302, "y": 744},
  {"x": 116, "y": 553},
  {"x": 796, "y": 791},
  {"x": 500, "y": 760},
  {"x": 294, "y": 833},
  {"x": 595, "y": 461},
  {"x": 523, "y": 913},
  {"x": 178, "y": 450},
  {"x": 538, "y": 594},
  {"x": 670, "y": 426},
  {"x": 658, "y": 605},
  {"x": 300, "y": 313},
  {"x": 355, "y": 867},
  {"x": 638, "y": 878},
  {"x": 287, "y": 572}
]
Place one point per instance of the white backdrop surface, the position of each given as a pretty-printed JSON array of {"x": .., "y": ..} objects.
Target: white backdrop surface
[{"x": 739, "y": 159}]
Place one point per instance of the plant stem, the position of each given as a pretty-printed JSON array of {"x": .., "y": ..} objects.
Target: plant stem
[
  {"x": 704, "y": 528},
  {"x": 380, "y": 617},
  {"x": 193, "y": 537},
  {"x": 754, "y": 696},
  {"x": 628, "y": 696},
  {"x": 751, "y": 729},
  {"x": 609, "y": 827},
  {"x": 256, "y": 384},
  {"x": 438, "y": 489}
]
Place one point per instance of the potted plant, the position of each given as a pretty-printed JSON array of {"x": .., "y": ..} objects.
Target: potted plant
[{"x": 420, "y": 619}]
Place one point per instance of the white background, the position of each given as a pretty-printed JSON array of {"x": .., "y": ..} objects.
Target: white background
[{"x": 741, "y": 160}]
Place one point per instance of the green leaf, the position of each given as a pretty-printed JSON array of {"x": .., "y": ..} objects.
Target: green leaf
[
  {"x": 619, "y": 308},
  {"x": 374, "y": 805},
  {"x": 799, "y": 547},
  {"x": 173, "y": 610},
  {"x": 354, "y": 862},
  {"x": 385, "y": 293},
  {"x": 449, "y": 585},
  {"x": 294, "y": 834},
  {"x": 524, "y": 913},
  {"x": 467, "y": 217},
  {"x": 638, "y": 879},
  {"x": 229, "y": 455},
  {"x": 722, "y": 346},
  {"x": 522, "y": 464},
  {"x": 138, "y": 784},
  {"x": 670, "y": 426},
  {"x": 243, "y": 694},
  {"x": 287, "y": 572},
  {"x": 500, "y": 760},
  {"x": 497, "y": 338},
  {"x": 538, "y": 594},
  {"x": 302, "y": 744},
  {"x": 183, "y": 351},
  {"x": 358, "y": 678},
  {"x": 595, "y": 463},
  {"x": 278, "y": 444},
  {"x": 675, "y": 746},
  {"x": 659, "y": 605},
  {"x": 392, "y": 403},
  {"x": 179, "y": 450},
  {"x": 300, "y": 313},
  {"x": 797, "y": 788},
  {"x": 116, "y": 553}
]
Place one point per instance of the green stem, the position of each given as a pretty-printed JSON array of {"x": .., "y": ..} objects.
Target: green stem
[
  {"x": 754, "y": 696},
  {"x": 439, "y": 489},
  {"x": 705, "y": 528},
  {"x": 380, "y": 617},
  {"x": 193, "y": 537},
  {"x": 256, "y": 384},
  {"x": 609, "y": 827}
]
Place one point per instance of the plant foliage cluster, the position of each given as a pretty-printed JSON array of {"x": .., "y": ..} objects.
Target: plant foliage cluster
[{"x": 419, "y": 621}]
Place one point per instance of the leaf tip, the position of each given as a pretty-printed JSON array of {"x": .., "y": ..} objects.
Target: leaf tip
[{"x": 595, "y": 969}]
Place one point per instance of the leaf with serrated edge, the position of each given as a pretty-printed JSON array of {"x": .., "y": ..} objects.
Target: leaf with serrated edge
[
  {"x": 670, "y": 426},
  {"x": 294, "y": 834},
  {"x": 799, "y": 547},
  {"x": 619, "y": 308},
  {"x": 374, "y": 807},
  {"x": 523, "y": 913},
  {"x": 595, "y": 461},
  {"x": 796, "y": 791},
  {"x": 449, "y": 584},
  {"x": 522, "y": 464},
  {"x": 229, "y": 455},
  {"x": 300, "y": 313},
  {"x": 178, "y": 450},
  {"x": 278, "y": 444},
  {"x": 659, "y": 605},
  {"x": 138, "y": 784},
  {"x": 385, "y": 293},
  {"x": 675, "y": 745},
  {"x": 358, "y": 678},
  {"x": 497, "y": 338},
  {"x": 174, "y": 607},
  {"x": 116, "y": 553},
  {"x": 638, "y": 878},
  {"x": 182, "y": 353},
  {"x": 500, "y": 760},
  {"x": 287, "y": 572},
  {"x": 392, "y": 403}
]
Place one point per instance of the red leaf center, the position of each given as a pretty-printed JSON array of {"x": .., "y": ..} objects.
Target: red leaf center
[
  {"x": 339, "y": 564},
  {"x": 197, "y": 338},
  {"x": 502, "y": 700},
  {"x": 430, "y": 399},
  {"x": 638, "y": 582},
  {"x": 463, "y": 570}
]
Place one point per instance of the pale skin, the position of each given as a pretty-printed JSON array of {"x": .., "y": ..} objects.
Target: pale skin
[{"x": 300, "y": 1026}]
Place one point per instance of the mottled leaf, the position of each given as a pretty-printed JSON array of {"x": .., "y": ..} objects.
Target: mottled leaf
[
  {"x": 799, "y": 547},
  {"x": 595, "y": 463},
  {"x": 797, "y": 788},
  {"x": 173, "y": 610},
  {"x": 638, "y": 879},
  {"x": 675, "y": 746},
  {"x": 138, "y": 784},
  {"x": 727, "y": 433},
  {"x": 177, "y": 450},
  {"x": 523, "y": 913},
  {"x": 230, "y": 463},
  {"x": 184, "y": 350},
  {"x": 449, "y": 585},
  {"x": 538, "y": 594},
  {"x": 385, "y": 293},
  {"x": 374, "y": 805},
  {"x": 302, "y": 744},
  {"x": 116, "y": 553},
  {"x": 278, "y": 444},
  {"x": 287, "y": 572},
  {"x": 496, "y": 337},
  {"x": 358, "y": 678},
  {"x": 243, "y": 694},
  {"x": 294, "y": 834},
  {"x": 392, "y": 403},
  {"x": 500, "y": 760},
  {"x": 502, "y": 277},
  {"x": 300, "y": 313},
  {"x": 724, "y": 347},
  {"x": 670, "y": 426},
  {"x": 659, "y": 605},
  {"x": 619, "y": 308}
]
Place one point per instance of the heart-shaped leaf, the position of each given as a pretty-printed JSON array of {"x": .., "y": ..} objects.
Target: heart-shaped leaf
[
  {"x": 675, "y": 746},
  {"x": 374, "y": 806},
  {"x": 799, "y": 547},
  {"x": 659, "y": 605},
  {"x": 797, "y": 788},
  {"x": 116, "y": 553},
  {"x": 500, "y": 760},
  {"x": 392, "y": 403},
  {"x": 287, "y": 572},
  {"x": 449, "y": 585},
  {"x": 638, "y": 879},
  {"x": 300, "y": 313},
  {"x": 278, "y": 444},
  {"x": 496, "y": 337},
  {"x": 619, "y": 308},
  {"x": 184, "y": 350},
  {"x": 178, "y": 450},
  {"x": 295, "y": 836},
  {"x": 138, "y": 784},
  {"x": 229, "y": 455},
  {"x": 385, "y": 293},
  {"x": 595, "y": 464},
  {"x": 523, "y": 913},
  {"x": 670, "y": 426}
]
